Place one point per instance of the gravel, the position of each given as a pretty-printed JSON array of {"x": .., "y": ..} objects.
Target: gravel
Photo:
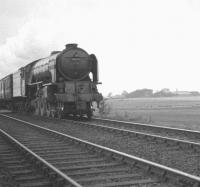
[
  {"x": 6, "y": 178},
  {"x": 169, "y": 155},
  {"x": 16, "y": 132},
  {"x": 185, "y": 134}
]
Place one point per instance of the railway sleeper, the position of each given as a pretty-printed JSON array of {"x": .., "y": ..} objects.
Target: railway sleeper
[
  {"x": 126, "y": 183},
  {"x": 83, "y": 173},
  {"x": 109, "y": 177}
]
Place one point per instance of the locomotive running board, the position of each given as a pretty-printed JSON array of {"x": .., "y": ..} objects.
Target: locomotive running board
[{"x": 36, "y": 83}]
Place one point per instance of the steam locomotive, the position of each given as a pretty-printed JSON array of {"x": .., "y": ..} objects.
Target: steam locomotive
[{"x": 64, "y": 83}]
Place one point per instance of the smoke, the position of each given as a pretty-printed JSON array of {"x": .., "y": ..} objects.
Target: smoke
[
  {"x": 29, "y": 44},
  {"x": 152, "y": 38},
  {"x": 49, "y": 28},
  {"x": 54, "y": 23}
]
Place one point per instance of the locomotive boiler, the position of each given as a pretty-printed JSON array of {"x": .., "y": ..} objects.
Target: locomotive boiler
[{"x": 63, "y": 83}]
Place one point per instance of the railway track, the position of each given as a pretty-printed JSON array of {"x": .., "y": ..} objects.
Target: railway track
[
  {"x": 174, "y": 152},
  {"x": 20, "y": 167},
  {"x": 182, "y": 134},
  {"x": 179, "y": 154},
  {"x": 90, "y": 164}
]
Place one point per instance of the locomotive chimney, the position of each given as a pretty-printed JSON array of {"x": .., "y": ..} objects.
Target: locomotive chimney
[{"x": 69, "y": 46}]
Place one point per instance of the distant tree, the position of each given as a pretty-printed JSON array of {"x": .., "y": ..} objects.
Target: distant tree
[
  {"x": 165, "y": 92},
  {"x": 141, "y": 93},
  {"x": 104, "y": 108},
  {"x": 109, "y": 94},
  {"x": 124, "y": 93}
]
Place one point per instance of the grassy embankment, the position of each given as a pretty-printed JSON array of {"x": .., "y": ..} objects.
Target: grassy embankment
[{"x": 181, "y": 112}]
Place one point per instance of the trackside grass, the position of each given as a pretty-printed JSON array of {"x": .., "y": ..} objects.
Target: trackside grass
[{"x": 181, "y": 112}]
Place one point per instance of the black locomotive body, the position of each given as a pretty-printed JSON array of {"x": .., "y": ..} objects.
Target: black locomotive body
[{"x": 63, "y": 83}]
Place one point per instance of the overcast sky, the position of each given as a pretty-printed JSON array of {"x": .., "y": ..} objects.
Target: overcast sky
[{"x": 139, "y": 43}]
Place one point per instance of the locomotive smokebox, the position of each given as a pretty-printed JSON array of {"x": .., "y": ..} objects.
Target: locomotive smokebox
[{"x": 73, "y": 63}]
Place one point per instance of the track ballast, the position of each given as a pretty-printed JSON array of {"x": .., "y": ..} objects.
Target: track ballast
[{"x": 103, "y": 167}]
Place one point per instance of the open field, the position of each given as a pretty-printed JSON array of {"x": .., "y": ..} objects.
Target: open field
[{"x": 181, "y": 112}]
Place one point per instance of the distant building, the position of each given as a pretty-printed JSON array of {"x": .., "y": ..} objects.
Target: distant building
[
  {"x": 182, "y": 93},
  {"x": 195, "y": 93}
]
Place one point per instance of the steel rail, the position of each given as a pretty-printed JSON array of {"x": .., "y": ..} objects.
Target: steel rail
[
  {"x": 164, "y": 172},
  {"x": 40, "y": 160},
  {"x": 148, "y": 125},
  {"x": 126, "y": 131}
]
